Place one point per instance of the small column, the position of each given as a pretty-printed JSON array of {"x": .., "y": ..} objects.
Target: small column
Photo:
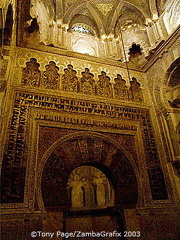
[
  {"x": 59, "y": 32},
  {"x": 110, "y": 47},
  {"x": 162, "y": 28},
  {"x": 64, "y": 34},
  {"x": 106, "y": 46},
  {"x": 50, "y": 33},
  {"x": 110, "y": 43},
  {"x": 118, "y": 49},
  {"x": 156, "y": 32},
  {"x": 150, "y": 33}
]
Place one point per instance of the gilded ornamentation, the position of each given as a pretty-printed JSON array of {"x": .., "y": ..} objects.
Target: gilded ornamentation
[
  {"x": 105, "y": 8},
  {"x": 50, "y": 78},
  {"x": 104, "y": 87},
  {"x": 69, "y": 3},
  {"x": 135, "y": 91},
  {"x": 69, "y": 79},
  {"x": 87, "y": 82},
  {"x": 31, "y": 74},
  {"x": 120, "y": 88}
]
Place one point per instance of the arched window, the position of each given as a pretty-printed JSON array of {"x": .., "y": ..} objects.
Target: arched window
[{"x": 83, "y": 28}]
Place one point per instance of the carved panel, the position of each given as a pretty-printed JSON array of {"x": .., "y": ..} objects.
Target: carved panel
[
  {"x": 104, "y": 87},
  {"x": 87, "y": 82},
  {"x": 50, "y": 78},
  {"x": 31, "y": 74},
  {"x": 120, "y": 88},
  {"x": 4, "y": 68},
  {"x": 135, "y": 91},
  {"x": 69, "y": 79},
  {"x": 126, "y": 184}
]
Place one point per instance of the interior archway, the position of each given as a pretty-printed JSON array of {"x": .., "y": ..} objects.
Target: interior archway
[{"x": 105, "y": 158}]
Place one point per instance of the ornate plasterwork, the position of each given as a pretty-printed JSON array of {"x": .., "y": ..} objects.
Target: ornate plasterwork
[
  {"x": 33, "y": 77},
  {"x": 51, "y": 76},
  {"x": 87, "y": 82},
  {"x": 30, "y": 74},
  {"x": 69, "y": 3},
  {"x": 105, "y": 9}
]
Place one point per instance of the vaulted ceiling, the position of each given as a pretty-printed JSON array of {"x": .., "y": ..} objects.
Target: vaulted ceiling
[{"x": 105, "y": 13}]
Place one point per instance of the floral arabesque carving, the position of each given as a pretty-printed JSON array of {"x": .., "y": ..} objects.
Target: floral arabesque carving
[
  {"x": 69, "y": 79},
  {"x": 50, "y": 77},
  {"x": 104, "y": 86},
  {"x": 135, "y": 91},
  {"x": 120, "y": 88},
  {"x": 87, "y": 82},
  {"x": 31, "y": 74},
  {"x": 14, "y": 163}
]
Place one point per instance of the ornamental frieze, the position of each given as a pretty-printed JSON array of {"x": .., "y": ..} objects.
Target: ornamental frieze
[
  {"x": 87, "y": 84},
  {"x": 87, "y": 122},
  {"x": 15, "y": 157}
]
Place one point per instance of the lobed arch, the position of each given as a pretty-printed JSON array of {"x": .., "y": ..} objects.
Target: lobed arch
[
  {"x": 160, "y": 83},
  {"x": 110, "y": 170},
  {"x": 173, "y": 73}
]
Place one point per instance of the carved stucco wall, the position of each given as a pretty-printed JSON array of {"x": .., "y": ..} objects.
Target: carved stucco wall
[{"x": 168, "y": 116}]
